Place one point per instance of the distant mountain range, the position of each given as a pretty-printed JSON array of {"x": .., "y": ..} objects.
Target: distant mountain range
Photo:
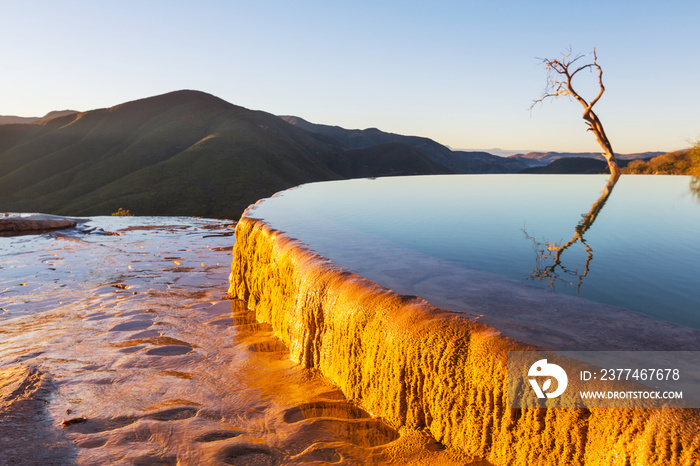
[
  {"x": 456, "y": 161},
  {"x": 577, "y": 165},
  {"x": 191, "y": 153},
  {"x": 182, "y": 153},
  {"x": 13, "y": 120},
  {"x": 540, "y": 159}
]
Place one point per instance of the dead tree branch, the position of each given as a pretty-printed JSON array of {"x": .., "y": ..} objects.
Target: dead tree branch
[{"x": 560, "y": 77}]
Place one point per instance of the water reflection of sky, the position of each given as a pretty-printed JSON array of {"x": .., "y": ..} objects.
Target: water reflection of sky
[{"x": 644, "y": 241}]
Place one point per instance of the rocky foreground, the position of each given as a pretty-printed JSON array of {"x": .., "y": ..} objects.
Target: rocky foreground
[
  {"x": 119, "y": 345},
  {"x": 16, "y": 224}
]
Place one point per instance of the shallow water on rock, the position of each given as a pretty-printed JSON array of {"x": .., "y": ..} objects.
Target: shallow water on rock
[{"x": 118, "y": 345}]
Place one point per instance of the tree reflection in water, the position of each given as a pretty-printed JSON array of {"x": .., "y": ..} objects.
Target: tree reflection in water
[
  {"x": 549, "y": 262},
  {"x": 695, "y": 187}
]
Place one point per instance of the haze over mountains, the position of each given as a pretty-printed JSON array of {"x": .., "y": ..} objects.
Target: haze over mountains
[{"x": 191, "y": 153}]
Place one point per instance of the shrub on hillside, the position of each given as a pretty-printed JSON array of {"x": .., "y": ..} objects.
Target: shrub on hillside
[
  {"x": 683, "y": 162},
  {"x": 121, "y": 213}
]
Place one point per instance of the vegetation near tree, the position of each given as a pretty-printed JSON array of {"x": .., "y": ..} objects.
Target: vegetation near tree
[
  {"x": 560, "y": 83},
  {"x": 121, "y": 213},
  {"x": 682, "y": 162}
]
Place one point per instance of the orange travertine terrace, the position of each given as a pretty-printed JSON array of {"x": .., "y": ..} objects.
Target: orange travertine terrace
[{"x": 423, "y": 368}]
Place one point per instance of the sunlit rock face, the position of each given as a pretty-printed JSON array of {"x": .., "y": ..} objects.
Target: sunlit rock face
[{"x": 422, "y": 368}]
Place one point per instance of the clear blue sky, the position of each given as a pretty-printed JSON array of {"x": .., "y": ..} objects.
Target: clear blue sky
[{"x": 461, "y": 72}]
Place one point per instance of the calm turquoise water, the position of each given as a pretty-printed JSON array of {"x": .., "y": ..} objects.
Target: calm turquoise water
[{"x": 642, "y": 252}]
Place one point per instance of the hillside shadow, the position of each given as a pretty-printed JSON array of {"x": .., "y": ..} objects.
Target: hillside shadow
[{"x": 549, "y": 262}]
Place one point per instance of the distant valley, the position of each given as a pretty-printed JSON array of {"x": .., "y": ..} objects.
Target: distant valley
[{"x": 191, "y": 153}]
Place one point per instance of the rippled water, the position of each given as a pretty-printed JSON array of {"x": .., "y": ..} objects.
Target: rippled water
[
  {"x": 640, "y": 253},
  {"x": 118, "y": 346}
]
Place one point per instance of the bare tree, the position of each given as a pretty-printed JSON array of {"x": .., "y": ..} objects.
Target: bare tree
[{"x": 560, "y": 76}]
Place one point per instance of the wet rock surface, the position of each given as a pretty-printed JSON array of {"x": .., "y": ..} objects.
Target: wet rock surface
[
  {"x": 165, "y": 369},
  {"x": 36, "y": 223}
]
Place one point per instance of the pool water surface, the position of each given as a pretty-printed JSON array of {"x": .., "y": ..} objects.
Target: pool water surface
[{"x": 639, "y": 252}]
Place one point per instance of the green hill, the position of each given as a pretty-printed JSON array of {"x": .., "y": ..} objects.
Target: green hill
[{"x": 182, "y": 153}]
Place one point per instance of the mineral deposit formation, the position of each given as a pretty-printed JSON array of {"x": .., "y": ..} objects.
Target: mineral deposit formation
[{"x": 423, "y": 368}]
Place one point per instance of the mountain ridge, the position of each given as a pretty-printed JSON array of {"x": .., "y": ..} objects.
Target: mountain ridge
[
  {"x": 18, "y": 120},
  {"x": 180, "y": 153},
  {"x": 458, "y": 161},
  {"x": 191, "y": 153},
  {"x": 545, "y": 158}
]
